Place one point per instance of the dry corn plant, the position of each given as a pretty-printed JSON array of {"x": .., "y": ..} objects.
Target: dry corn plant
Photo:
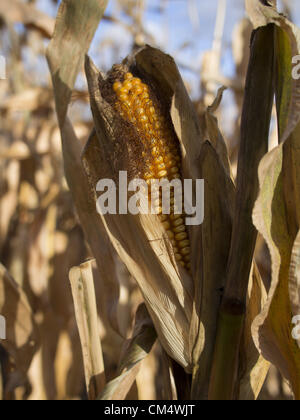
[
  {"x": 186, "y": 301},
  {"x": 219, "y": 344}
]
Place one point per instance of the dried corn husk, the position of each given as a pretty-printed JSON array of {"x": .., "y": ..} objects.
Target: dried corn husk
[{"x": 176, "y": 302}]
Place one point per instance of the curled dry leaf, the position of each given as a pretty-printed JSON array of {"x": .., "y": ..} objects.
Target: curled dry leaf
[
  {"x": 214, "y": 135},
  {"x": 289, "y": 35},
  {"x": 261, "y": 12},
  {"x": 277, "y": 216},
  {"x": 212, "y": 245},
  {"x": 83, "y": 290},
  {"x": 66, "y": 51},
  {"x": 274, "y": 219},
  {"x": 135, "y": 351},
  {"x": 253, "y": 367},
  {"x": 185, "y": 329},
  {"x": 294, "y": 281},
  {"x": 66, "y": 46},
  {"x": 140, "y": 240}
]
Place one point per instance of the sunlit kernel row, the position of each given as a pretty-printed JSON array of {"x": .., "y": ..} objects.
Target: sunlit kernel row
[{"x": 136, "y": 106}]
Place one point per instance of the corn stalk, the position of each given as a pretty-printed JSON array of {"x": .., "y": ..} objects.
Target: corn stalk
[{"x": 259, "y": 93}]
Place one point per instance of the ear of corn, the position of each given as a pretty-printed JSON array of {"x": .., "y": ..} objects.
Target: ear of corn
[{"x": 137, "y": 104}]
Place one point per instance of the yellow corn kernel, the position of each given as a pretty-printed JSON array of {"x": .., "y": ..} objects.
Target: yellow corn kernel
[
  {"x": 135, "y": 81},
  {"x": 181, "y": 236},
  {"x": 162, "y": 174},
  {"x": 128, "y": 85},
  {"x": 117, "y": 86},
  {"x": 186, "y": 251},
  {"x": 178, "y": 222},
  {"x": 137, "y": 89},
  {"x": 158, "y": 160},
  {"x": 136, "y": 103},
  {"x": 166, "y": 225},
  {"x": 170, "y": 234},
  {"x": 179, "y": 229},
  {"x": 184, "y": 244},
  {"x": 175, "y": 216}
]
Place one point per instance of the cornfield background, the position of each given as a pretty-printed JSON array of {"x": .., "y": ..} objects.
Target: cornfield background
[{"x": 41, "y": 236}]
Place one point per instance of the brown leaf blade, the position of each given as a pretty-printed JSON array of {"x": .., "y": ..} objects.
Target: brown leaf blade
[
  {"x": 140, "y": 240},
  {"x": 75, "y": 27},
  {"x": 272, "y": 329},
  {"x": 277, "y": 217},
  {"x": 138, "y": 348},
  {"x": 294, "y": 282},
  {"x": 258, "y": 100},
  {"x": 287, "y": 46},
  {"x": 76, "y": 24},
  {"x": 212, "y": 244},
  {"x": 82, "y": 283},
  {"x": 253, "y": 367}
]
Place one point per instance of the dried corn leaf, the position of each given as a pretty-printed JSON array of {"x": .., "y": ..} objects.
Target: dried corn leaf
[
  {"x": 212, "y": 245},
  {"x": 277, "y": 216},
  {"x": 261, "y": 15},
  {"x": 90, "y": 221},
  {"x": 253, "y": 367},
  {"x": 138, "y": 255},
  {"x": 76, "y": 25},
  {"x": 273, "y": 327},
  {"x": 137, "y": 349},
  {"x": 213, "y": 133},
  {"x": 83, "y": 290},
  {"x": 294, "y": 280},
  {"x": 141, "y": 240},
  {"x": 261, "y": 11},
  {"x": 215, "y": 238}
]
